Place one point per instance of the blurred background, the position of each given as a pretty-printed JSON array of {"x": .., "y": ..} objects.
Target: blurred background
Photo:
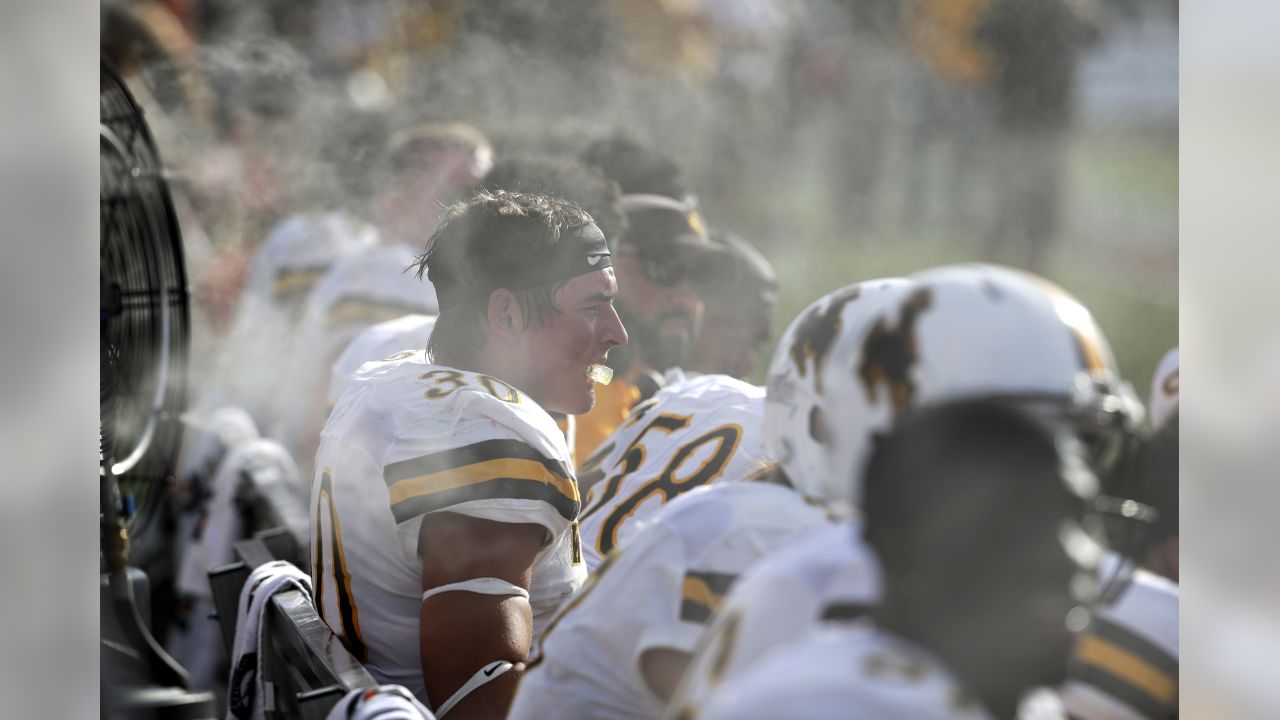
[{"x": 846, "y": 140}]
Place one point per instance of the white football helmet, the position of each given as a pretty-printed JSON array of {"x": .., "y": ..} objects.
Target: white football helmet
[
  {"x": 961, "y": 332},
  {"x": 982, "y": 331},
  {"x": 797, "y": 424}
]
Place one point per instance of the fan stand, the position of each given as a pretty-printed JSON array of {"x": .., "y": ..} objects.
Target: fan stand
[{"x": 154, "y": 684}]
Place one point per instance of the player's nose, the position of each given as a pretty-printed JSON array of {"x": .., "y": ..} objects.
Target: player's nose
[{"x": 612, "y": 332}]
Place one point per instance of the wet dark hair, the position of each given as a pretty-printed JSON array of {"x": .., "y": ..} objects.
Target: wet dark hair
[{"x": 491, "y": 234}]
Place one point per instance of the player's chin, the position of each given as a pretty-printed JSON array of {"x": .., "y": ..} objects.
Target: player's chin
[
  {"x": 588, "y": 400},
  {"x": 580, "y": 400}
]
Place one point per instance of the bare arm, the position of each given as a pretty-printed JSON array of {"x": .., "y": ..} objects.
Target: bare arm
[{"x": 460, "y": 632}]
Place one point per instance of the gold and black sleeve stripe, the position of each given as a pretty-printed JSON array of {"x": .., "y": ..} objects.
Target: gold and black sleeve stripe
[
  {"x": 369, "y": 310},
  {"x": 485, "y": 470},
  {"x": 702, "y": 593},
  {"x": 1127, "y": 667},
  {"x": 291, "y": 282}
]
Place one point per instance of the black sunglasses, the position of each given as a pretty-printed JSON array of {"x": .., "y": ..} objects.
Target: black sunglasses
[{"x": 670, "y": 273}]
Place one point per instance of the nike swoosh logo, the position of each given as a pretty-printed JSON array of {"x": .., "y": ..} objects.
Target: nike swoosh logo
[
  {"x": 594, "y": 260},
  {"x": 489, "y": 671}
]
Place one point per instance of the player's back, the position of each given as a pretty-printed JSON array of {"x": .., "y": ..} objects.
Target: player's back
[
  {"x": 369, "y": 286},
  {"x": 698, "y": 431},
  {"x": 856, "y": 672},
  {"x": 360, "y": 290},
  {"x": 406, "y": 333},
  {"x": 826, "y": 575},
  {"x": 300, "y": 250},
  {"x": 286, "y": 267},
  {"x": 408, "y": 439},
  {"x": 657, "y": 592}
]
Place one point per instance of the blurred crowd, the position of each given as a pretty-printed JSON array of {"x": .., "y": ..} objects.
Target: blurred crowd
[
  {"x": 912, "y": 112},
  {"x": 313, "y": 147}
]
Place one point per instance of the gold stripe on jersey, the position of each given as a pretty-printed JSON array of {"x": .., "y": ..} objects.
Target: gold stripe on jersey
[
  {"x": 1127, "y": 666},
  {"x": 490, "y": 469},
  {"x": 702, "y": 594},
  {"x": 480, "y": 472},
  {"x": 297, "y": 280},
  {"x": 354, "y": 309},
  {"x": 348, "y": 612}
]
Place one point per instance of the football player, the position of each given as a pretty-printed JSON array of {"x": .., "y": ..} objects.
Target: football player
[
  {"x": 444, "y": 507},
  {"x": 285, "y": 268},
  {"x": 584, "y": 186},
  {"x": 698, "y": 431},
  {"x": 842, "y": 374},
  {"x": 965, "y": 507}
]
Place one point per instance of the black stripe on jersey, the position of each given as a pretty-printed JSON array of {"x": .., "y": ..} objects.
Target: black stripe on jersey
[
  {"x": 1119, "y": 690},
  {"x": 518, "y": 488},
  {"x": 1143, "y": 648},
  {"x": 702, "y": 594},
  {"x": 1109, "y": 680},
  {"x": 348, "y": 615},
  {"x": 482, "y": 451},
  {"x": 844, "y": 611}
]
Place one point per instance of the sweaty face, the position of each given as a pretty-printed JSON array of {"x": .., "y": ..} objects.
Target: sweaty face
[
  {"x": 663, "y": 317},
  {"x": 562, "y": 350}
]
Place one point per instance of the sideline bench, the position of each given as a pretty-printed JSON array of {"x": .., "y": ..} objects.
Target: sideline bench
[{"x": 308, "y": 667}]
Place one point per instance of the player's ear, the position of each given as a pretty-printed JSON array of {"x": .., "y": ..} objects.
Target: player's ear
[{"x": 505, "y": 316}]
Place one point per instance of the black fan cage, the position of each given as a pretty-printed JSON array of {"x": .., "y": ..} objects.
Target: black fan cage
[{"x": 145, "y": 321}]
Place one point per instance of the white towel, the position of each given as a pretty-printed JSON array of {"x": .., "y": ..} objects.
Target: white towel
[
  {"x": 248, "y": 694},
  {"x": 223, "y": 525},
  {"x": 385, "y": 702},
  {"x": 211, "y": 437}
]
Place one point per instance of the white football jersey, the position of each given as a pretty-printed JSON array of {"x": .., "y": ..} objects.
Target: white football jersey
[
  {"x": 295, "y": 255},
  {"x": 1125, "y": 664},
  {"x": 825, "y": 575},
  {"x": 700, "y": 430},
  {"x": 360, "y": 290},
  {"x": 855, "y": 671},
  {"x": 408, "y": 439},
  {"x": 299, "y": 251},
  {"x": 378, "y": 342},
  {"x": 657, "y": 591}
]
